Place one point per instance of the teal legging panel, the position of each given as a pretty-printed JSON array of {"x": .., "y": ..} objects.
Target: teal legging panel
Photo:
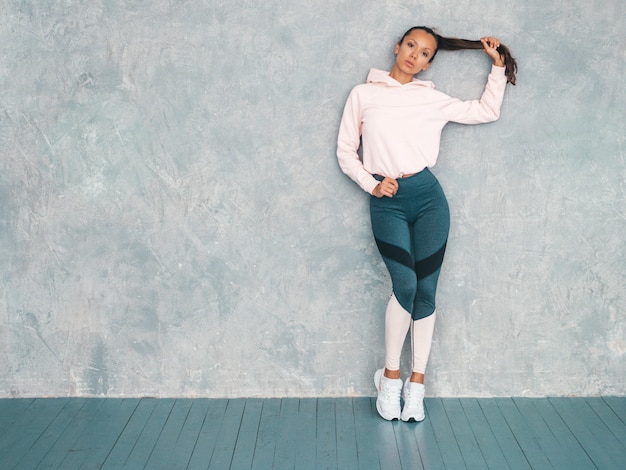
[{"x": 411, "y": 232}]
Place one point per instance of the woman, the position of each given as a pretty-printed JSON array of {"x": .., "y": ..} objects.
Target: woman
[{"x": 398, "y": 120}]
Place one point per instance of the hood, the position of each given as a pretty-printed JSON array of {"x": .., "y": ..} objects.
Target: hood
[{"x": 380, "y": 76}]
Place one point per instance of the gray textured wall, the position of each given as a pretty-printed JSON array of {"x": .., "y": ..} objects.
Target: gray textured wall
[{"x": 174, "y": 222}]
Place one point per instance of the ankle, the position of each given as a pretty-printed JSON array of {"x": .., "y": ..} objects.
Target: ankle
[
  {"x": 417, "y": 377},
  {"x": 392, "y": 374}
]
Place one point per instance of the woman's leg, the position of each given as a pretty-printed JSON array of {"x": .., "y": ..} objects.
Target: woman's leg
[
  {"x": 430, "y": 239},
  {"x": 397, "y": 324},
  {"x": 421, "y": 341},
  {"x": 413, "y": 391},
  {"x": 393, "y": 238}
]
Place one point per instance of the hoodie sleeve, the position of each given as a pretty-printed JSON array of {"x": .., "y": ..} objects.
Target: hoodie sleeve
[
  {"x": 348, "y": 143},
  {"x": 486, "y": 109}
]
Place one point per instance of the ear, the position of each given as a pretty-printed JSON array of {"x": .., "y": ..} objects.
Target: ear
[
  {"x": 397, "y": 48},
  {"x": 426, "y": 66}
]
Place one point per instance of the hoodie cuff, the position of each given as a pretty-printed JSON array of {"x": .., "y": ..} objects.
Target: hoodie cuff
[{"x": 371, "y": 185}]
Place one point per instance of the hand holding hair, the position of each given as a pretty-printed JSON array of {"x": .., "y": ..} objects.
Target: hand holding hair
[
  {"x": 491, "y": 46},
  {"x": 455, "y": 44}
]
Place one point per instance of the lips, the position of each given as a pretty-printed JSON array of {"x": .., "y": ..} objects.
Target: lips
[{"x": 409, "y": 63}]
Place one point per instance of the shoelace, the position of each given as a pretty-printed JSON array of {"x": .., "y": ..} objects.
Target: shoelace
[
  {"x": 413, "y": 397},
  {"x": 391, "y": 393}
]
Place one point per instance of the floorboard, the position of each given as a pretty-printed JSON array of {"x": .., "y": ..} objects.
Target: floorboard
[
  {"x": 408, "y": 452},
  {"x": 385, "y": 440},
  {"x": 599, "y": 443},
  {"x": 92, "y": 446},
  {"x": 227, "y": 438},
  {"x": 430, "y": 453},
  {"x": 365, "y": 424},
  {"x": 66, "y": 453},
  {"x": 246, "y": 439},
  {"x": 11, "y": 411},
  {"x": 142, "y": 449},
  {"x": 180, "y": 453},
  {"x": 127, "y": 439},
  {"x": 513, "y": 453},
  {"x": 285, "y": 453},
  {"x": 162, "y": 451},
  {"x": 46, "y": 440},
  {"x": 525, "y": 436},
  {"x": 609, "y": 418},
  {"x": 306, "y": 434},
  {"x": 21, "y": 433},
  {"x": 464, "y": 435},
  {"x": 347, "y": 454},
  {"x": 311, "y": 433},
  {"x": 544, "y": 436},
  {"x": 209, "y": 433},
  {"x": 326, "y": 439},
  {"x": 569, "y": 447},
  {"x": 618, "y": 405},
  {"x": 265, "y": 445},
  {"x": 483, "y": 433},
  {"x": 448, "y": 444}
]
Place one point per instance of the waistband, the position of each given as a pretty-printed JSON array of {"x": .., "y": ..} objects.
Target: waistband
[{"x": 410, "y": 175}]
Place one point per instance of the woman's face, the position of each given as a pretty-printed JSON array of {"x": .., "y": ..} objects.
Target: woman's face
[{"x": 415, "y": 52}]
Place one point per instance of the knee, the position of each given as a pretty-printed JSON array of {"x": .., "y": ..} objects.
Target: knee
[
  {"x": 422, "y": 308},
  {"x": 405, "y": 293}
]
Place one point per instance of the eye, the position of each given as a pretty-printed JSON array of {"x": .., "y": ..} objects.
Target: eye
[{"x": 425, "y": 54}]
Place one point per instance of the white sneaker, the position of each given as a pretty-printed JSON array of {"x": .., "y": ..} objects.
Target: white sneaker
[
  {"x": 389, "y": 391},
  {"x": 413, "y": 402}
]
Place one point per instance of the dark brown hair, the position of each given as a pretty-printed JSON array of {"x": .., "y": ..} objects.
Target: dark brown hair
[{"x": 455, "y": 44}]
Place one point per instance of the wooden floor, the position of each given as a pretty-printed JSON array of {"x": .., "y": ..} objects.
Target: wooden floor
[{"x": 344, "y": 433}]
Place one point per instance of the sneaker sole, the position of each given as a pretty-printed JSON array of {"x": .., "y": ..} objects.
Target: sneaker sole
[
  {"x": 393, "y": 418},
  {"x": 412, "y": 419}
]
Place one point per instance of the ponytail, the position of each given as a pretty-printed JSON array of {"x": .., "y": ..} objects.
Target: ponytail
[{"x": 455, "y": 44}]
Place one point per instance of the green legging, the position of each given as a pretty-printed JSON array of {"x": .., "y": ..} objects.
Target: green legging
[{"x": 411, "y": 232}]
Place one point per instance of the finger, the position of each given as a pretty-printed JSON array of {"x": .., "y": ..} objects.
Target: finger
[
  {"x": 490, "y": 42},
  {"x": 391, "y": 191},
  {"x": 390, "y": 184}
]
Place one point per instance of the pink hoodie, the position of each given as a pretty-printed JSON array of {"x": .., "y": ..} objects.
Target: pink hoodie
[{"x": 401, "y": 124}]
